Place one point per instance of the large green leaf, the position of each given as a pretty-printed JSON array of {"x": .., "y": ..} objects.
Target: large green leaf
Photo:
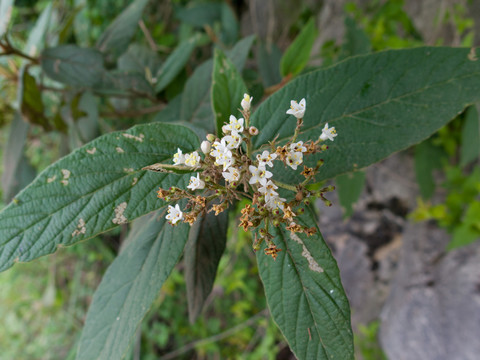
[
  {"x": 227, "y": 89},
  {"x": 73, "y": 65},
  {"x": 92, "y": 190},
  {"x": 202, "y": 255},
  {"x": 6, "y": 8},
  {"x": 379, "y": 103},
  {"x": 174, "y": 63},
  {"x": 129, "y": 287},
  {"x": 118, "y": 35},
  {"x": 298, "y": 53},
  {"x": 305, "y": 295}
]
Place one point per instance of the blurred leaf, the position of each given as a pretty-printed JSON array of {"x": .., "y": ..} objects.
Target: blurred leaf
[
  {"x": 239, "y": 53},
  {"x": 17, "y": 172},
  {"x": 6, "y": 8},
  {"x": 349, "y": 189},
  {"x": 84, "y": 119},
  {"x": 355, "y": 42},
  {"x": 68, "y": 25},
  {"x": 268, "y": 58},
  {"x": 73, "y": 65},
  {"x": 140, "y": 59},
  {"x": 82, "y": 24},
  {"x": 427, "y": 159},
  {"x": 298, "y": 53},
  {"x": 463, "y": 235},
  {"x": 118, "y": 35},
  {"x": 227, "y": 89},
  {"x": 196, "y": 103},
  {"x": 129, "y": 287},
  {"x": 379, "y": 103},
  {"x": 201, "y": 14},
  {"x": 32, "y": 105},
  {"x": 305, "y": 295},
  {"x": 35, "y": 42},
  {"x": 123, "y": 83},
  {"x": 196, "y": 106},
  {"x": 92, "y": 190},
  {"x": 174, "y": 64},
  {"x": 470, "y": 146},
  {"x": 230, "y": 26},
  {"x": 204, "y": 249}
]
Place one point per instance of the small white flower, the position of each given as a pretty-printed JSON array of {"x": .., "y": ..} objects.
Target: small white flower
[
  {"x": 246, "y": 102},
  {"x": 275, "y": 202},
  {"x": 223, "y": 156},
  {"x": 192, "y": 159},
  {"x": 297, "y": 109},
  {"x": 233, "y": 140},
  {"x": 266, "y": 158},
  {"x": 294, "y": 159},
  {"x": 328, "y": 133},
  {"x": 268, "y": 190},
  {"x": 196, "y": 183},
  {"x": 174, "y": 214},
  {"x": 298, "y": 147},
  {"x": 206, "y": 146},
  {"x": 231, "y": 175},
  {"x": 259, "y": 175},
  {"x": 234, "y": 125},
  {"x": 178, "y": 157}
]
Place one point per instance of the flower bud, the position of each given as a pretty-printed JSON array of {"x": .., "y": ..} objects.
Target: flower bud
[
  {"x": 276, "y": 222},
  {"x": 246, "y": 102},
  {"x": 252, "y": 130},
  {"x": 206, "y": 146},
  {"x": 211, "y": 137}
]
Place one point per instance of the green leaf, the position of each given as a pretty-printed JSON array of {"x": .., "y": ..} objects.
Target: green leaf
[
  {"x": 227, "y": 89},
  {"x": 32, "y": 105},
  {"x": 379, "y": 104},
  {"x": 73, "y": 65},
  {"x": 230, "y": 25},
  {"x": 140, "y": 59},
  {"x": 199, "y": 15},
  {"x": 298, "y": 53},
  {"x": 174, "y": 64},
  {"x": 427, "y": 159},
  {"x": 269, "y": 56},
  {"x": 14, "y": 162},
  {"x": 355, "y": 42},
  {"x": 118, "y": 35},
  {"x": 92, "y": 190},
  {"x": 463, "y": 235},
  {"x": 205, "y": 247},
  {"x": 470, "y": 146},
  {"x": 124, "y": 83},
  {"x": 129, "y": 287},
  {"x": 6, "y": 8},
  {"x": 35, "y": 42},
  {"x": 349, "y": 189},
  {"x": 196, "y": 103},
  {"x": 305, "y": 295}
]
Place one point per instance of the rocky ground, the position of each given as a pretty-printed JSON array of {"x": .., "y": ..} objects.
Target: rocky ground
[{"x": 395, "y": 270}]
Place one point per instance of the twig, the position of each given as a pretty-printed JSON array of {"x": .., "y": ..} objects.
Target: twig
[
  {"x": 215, "y": 338},
  {"x": 9, "y": 49},
  {"x": 148, "y": 36}
]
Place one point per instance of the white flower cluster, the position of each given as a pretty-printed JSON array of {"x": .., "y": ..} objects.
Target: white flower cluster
[{"x": 225, "y": 158}]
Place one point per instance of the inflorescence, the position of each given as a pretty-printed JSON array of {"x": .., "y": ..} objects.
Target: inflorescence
[{"x": 229, "y": 171}]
